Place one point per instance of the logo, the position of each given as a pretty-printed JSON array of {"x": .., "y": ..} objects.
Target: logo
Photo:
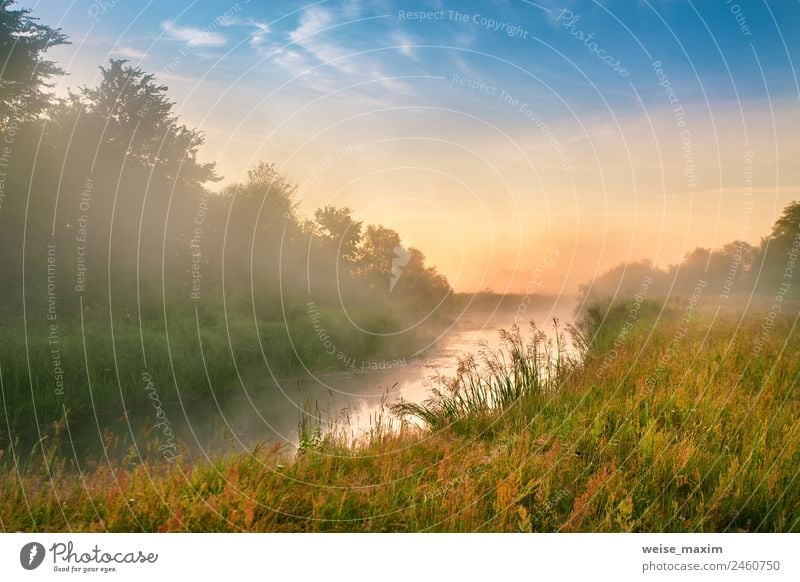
[
  {"x": 31, "y": 555},
  {"x": 402, "y": 256}
]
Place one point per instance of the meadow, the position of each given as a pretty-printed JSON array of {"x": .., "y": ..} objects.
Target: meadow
[
  {"x": 92, "y": 366},
  {"x": 674, "y": 416},
  {"x": 136, "y": 277}
]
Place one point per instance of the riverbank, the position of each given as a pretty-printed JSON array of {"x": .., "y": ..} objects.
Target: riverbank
[
  {"x": 676, "y": 419},
  {"x": 143, "y": 370},
  {"x": 199, "y": 379}
]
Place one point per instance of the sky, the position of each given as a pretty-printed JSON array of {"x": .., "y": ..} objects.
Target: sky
[{"x": 520, "y": 145}]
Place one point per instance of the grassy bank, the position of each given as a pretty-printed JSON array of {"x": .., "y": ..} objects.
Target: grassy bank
[
  {"x": 677, "y": 419},
  {"x": 91, "y": 367}
]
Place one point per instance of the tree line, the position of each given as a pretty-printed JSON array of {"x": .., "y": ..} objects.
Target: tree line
[
  {"x": 739, "y": 269},
  {"x": 111, "y": 178}
]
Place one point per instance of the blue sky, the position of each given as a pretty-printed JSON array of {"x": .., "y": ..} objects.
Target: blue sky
[
  {"x": 702, "y": 44},
  {"x": 498, "y": 115}
]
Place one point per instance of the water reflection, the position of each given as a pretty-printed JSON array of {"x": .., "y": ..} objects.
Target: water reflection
[{"x": 351, "y": 402}]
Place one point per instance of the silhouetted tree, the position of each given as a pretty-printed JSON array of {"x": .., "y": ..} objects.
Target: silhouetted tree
[
  {"x": 376, "y": 254},
  {"x": 24, "y": 73},
  {"x": 135, "y": 117},
  {"x": 778, "y": 251},
  {"x": 419, "y": 284},
  {"x": 340, "y": 230},
  {"x": 623, "y": 281}
]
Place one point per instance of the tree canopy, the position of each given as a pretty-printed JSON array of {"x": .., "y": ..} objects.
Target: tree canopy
[{"x": 24, "y": 73}]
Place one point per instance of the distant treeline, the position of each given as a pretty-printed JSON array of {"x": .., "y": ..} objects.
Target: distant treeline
[{"x": 770, "y": 270}]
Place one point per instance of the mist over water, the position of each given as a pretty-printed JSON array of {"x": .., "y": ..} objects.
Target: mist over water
[
  {"x": 353, "y": 400},
  {"x": 262, "y": 411},
  {"x": 393, "y": 266}
]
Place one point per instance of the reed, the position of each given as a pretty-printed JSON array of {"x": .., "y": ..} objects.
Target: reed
[
  {"x": 493, "y": 380},
  {"x": 667, "y": 427}
]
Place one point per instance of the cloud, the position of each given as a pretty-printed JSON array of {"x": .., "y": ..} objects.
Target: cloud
[
  {"x": 293, "y": 62},
  {"x": 260, "y": 35},
  {"x": 258, "y": 38},
  {"x": 127, "y": 52},
  {"x": 167, "y": 76},
  {"x": 312, "y": 37},
  {"x": 309, "y": 36},
  {"x": 404, "y": 43},
  {"x": 194, "y": 37},
  {"x": 314, "y": 20},
  {"x": 318, "y": 53}
]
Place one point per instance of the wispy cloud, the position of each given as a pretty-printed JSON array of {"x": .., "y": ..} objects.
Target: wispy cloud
[
  {"x": 261, "y": 33},
  {"x": 292, "y": 61},
  {"x": 261, "y": 30},
  {"x": 194, "y": 37},
  {"x": 167, "y": 76},
  {"x": 127, "y": 52},
  {"x": 319, "y": 39},
  {"x": 310, "y": 36},
  {"x": 404, "y": 43}
]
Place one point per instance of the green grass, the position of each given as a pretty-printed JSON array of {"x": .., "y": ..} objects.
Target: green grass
[
  {"x": 666, "y": 427},
  {"x": 494, "y": 380},
  {"x": 187, "y": 356}
]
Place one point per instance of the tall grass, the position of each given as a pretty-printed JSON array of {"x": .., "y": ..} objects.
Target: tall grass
[
  {"x": 191, "y": 357},
  {"x": 494, "y": 379},
  {"x": 667, "y": 427}
]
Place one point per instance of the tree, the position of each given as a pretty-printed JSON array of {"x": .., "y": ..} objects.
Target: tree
[
  {"x": 261, "y": 229},
  {"x": 376, "y": 254},
  {"x": 623, "y": 281},
  {"x": 424, "y": 285},
  {"x": 340, "y": 230},
  {"x": 779, "y": 250},
  {"x": 740, "y": 251},
  {"x": 267, "y": 196},
  {"x": 135, "y": 118},
  {"x": 23, "y": 71},
  {"x": 787, "y": 228},
  {"x": 699, "y": 264}
]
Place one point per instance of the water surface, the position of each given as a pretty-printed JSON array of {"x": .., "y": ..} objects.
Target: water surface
[{"x": 353, "y": 401}]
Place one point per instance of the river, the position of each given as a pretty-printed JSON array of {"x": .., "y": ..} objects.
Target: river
[{"x": 350, "y": 402}]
